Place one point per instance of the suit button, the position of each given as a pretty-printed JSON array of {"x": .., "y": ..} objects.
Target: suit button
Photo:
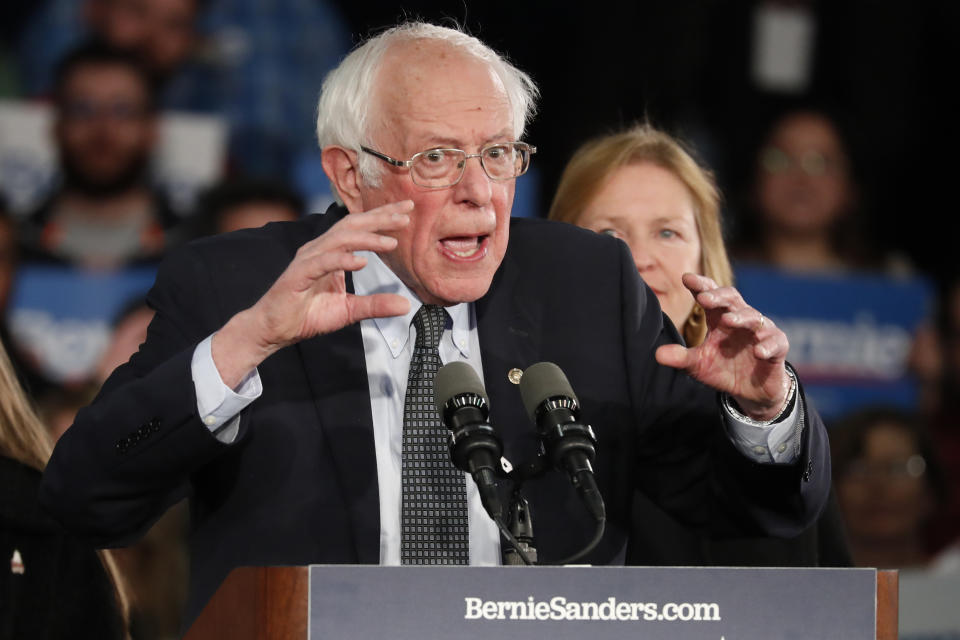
[{"x": 808, "y": 472}]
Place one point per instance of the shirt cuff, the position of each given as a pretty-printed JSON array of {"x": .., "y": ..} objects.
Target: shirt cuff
[
  {"x": 218, "y": 405},
  {"x": 775, "y": 441}
]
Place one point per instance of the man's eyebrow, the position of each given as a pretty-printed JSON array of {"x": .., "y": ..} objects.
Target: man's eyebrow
[
  {"x": 504, "y": 134},
  {"x": 447, "y": 143},
  {"x": 452, "y": 143}
]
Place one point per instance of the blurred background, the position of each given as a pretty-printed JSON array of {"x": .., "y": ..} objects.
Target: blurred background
[{"x": 128, "y": 127}]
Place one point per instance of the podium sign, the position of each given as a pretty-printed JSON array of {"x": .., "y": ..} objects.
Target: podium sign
[{"x": 411, "y": 603}]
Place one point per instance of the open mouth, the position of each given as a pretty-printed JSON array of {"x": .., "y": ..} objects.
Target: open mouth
[{"x": 464, "y": 247}]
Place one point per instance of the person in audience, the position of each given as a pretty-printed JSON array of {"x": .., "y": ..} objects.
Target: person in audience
[
  {"x": 804, "y": 221},
  {"x": 804, "y": 210},
  {"x": 642, "y": 186},
  {"x": 888, "y": 482},
  {"x": 161, "y": 33},
  {"x": 247, "y": 204},
  {"x": 104, "y": 212},
  {"x": 218, "y": 58},
  {"x": 54, "y": 586}
]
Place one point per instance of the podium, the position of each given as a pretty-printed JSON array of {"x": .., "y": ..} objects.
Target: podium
[{"x": 342, "y": 601}]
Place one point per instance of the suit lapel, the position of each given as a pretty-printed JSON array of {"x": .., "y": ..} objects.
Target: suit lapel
[
  {"x": 337, "y": 373},
  {"x": 508, "y": 328}
]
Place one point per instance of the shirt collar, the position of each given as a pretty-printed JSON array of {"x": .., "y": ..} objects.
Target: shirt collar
[{"x": 376, "y": 277}]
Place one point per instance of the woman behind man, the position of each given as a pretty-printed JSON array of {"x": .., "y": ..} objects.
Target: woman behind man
[
  {"x": 55, "y": 586},
  {"x": 640, "y": 185}
]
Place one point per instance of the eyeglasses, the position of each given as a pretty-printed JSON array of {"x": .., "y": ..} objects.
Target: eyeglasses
[
  {"x": 812, "y": 163},
  {"x": 443, "y": 168},
  {"x": 87, "y": 110},
  {"x": 913, "y": 467}
]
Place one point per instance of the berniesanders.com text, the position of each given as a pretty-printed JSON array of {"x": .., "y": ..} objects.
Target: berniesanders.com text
[{"x": 561, "y": 609}]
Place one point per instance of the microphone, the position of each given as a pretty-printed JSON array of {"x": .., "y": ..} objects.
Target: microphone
[
  {"x": 569, "y": 444},
  {"x": 474, "y": 446}
]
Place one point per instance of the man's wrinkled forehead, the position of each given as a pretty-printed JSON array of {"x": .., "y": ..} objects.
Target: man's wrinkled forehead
[{"x": 428, "y": 82}]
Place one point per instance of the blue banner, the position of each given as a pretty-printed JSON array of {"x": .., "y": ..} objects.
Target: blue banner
[
  {"x": 61, "y": 317},
  {"x": 850, "y": 334}
]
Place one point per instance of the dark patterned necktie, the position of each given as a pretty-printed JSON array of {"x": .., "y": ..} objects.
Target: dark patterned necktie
[{"x": 433, "y": 513}]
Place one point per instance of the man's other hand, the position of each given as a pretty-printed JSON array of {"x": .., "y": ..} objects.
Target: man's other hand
[{"x": 743, "y": 354}]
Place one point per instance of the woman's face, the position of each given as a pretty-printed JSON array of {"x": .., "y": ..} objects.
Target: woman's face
[
  {"x": 883, "y": 494},
  {"x": 803, "y": 183},
  {"x": 651, "y": 210}
]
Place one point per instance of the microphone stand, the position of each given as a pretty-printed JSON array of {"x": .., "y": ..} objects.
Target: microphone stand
[
  {"x": 521, "y": 526},
  {"x": 520, "y": 532}
]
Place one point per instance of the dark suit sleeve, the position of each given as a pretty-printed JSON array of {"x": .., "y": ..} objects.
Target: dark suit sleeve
[
  {"x": 685, "y": 461},
  {"x": 129, "y": 454}
]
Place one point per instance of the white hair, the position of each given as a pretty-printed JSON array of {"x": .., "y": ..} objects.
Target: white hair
[{"x": 346, "y": 98}]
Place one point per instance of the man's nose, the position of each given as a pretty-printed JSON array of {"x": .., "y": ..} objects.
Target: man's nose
[{"x": 475, "y": 186}]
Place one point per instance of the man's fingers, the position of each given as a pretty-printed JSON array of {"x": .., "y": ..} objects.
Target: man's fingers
[
  {"x": 674, "y": 355},
  {"x": 721, "y": 298},
  {"x": 749, "y": 319},
  {"x": 377, "y": 305},
  {"x": 773, "y": 348},
  {"x": 388, "y": 217},
  {"x": 697, "y": 283},
  {"x": 309, "y": 271},
  {"x": 346, "y": 240},
  {"x": 377, "y": 222}
]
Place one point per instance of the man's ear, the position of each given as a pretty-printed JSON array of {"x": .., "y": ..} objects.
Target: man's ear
[{"x": 340, "y": 165}]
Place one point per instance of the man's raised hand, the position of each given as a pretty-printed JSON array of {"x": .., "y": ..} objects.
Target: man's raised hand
[
  {"x": 743, "y": 354},
  {"x": 310, "y": 297}
]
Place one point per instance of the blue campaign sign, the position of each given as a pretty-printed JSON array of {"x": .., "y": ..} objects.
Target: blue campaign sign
[
  {"x": 60, "y": 317},
  {"x": 850, "y": 334}
]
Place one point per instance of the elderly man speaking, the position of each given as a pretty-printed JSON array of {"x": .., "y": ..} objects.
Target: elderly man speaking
[{"x": 282, "y": 381}]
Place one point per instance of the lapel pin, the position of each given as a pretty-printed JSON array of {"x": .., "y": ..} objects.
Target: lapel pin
[{"x": 514, "y": 375}]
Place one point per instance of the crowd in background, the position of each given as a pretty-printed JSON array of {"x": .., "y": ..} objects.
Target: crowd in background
[{"x": 797, "y": 211}]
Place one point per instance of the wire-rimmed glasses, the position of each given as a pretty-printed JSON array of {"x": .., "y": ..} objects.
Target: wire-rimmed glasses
[{"x": 441, "y": 168}]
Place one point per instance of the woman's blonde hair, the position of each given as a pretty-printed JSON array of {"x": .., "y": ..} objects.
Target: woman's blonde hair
[
  {"x": 595, "y": 163},
  {"x": 24, "y": 438}
]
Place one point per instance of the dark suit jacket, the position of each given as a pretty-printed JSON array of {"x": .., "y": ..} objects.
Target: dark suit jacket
[{"x": 299, "y": 485}]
